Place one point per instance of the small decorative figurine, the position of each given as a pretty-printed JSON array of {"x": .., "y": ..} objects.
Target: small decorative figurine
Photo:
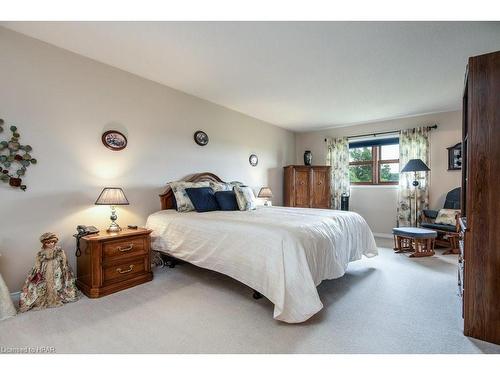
[
  {"x": 51, "y": 282},
  {"x": 14, "y": 159}
]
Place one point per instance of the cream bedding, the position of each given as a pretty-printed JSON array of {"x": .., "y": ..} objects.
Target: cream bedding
[{"x": 282, "y": 252}]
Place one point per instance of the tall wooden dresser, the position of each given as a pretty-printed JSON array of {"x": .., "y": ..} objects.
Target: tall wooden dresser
[
  {"x": 480, "y": 243},
  {"x": 307, "y": 186}
]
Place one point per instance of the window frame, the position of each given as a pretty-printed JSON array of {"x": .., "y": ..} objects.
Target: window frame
[{"x": 376, "y": 164}]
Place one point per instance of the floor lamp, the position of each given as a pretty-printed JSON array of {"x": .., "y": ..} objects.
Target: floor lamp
[{"x": 415, "y": 165}]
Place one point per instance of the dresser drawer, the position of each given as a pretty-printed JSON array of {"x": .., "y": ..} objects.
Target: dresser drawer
[
  {"x": 123, "y": 247},
  {"x": 123, "y": 271}
]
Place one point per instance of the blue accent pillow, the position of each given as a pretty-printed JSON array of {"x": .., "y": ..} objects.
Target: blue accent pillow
[
  {"x": 227, "y": 200},
  {"x": 203, "y": 199},
  {"x": 174, "y": 202}
]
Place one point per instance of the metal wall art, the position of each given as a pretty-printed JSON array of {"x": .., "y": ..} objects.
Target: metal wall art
[
  {"x": 14, "y": 158},
  {"x": 114, "y": 140}
]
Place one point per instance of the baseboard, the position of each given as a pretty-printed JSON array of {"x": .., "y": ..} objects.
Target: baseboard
[{"x": 383, "y": 235}]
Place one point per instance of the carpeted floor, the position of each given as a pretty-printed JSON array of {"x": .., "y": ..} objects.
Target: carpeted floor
[{"x": 387, "y": 304}]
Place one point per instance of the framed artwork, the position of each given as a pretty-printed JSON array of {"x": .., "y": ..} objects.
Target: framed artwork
[
  {"x": 201, "y": 138},
  {"x": 114, "y": 140},
  {"x": 455, "y": 157},
  {"x": 253, "y": 160}
]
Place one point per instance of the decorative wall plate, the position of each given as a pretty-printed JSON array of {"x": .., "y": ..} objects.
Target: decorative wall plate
[
  {"x": 253, "y": 160},
  {"x": 114, "y": 140},
  {"x": 14, "y": 159},
  {"x": 201, "y": 138}
]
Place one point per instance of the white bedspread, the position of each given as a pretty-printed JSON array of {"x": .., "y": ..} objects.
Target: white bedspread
[{"x": 282, "y": 252}]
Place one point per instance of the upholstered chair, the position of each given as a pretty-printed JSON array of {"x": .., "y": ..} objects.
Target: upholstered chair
[{"x": 447, "y": 233}]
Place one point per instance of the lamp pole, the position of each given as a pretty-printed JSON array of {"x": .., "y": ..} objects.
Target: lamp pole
[
  {"x": 415, "y": 165},
  {"x": 415, "y": 184}
]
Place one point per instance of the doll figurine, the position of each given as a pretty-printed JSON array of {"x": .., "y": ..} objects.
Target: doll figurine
[{"x": 51, "y": 282}]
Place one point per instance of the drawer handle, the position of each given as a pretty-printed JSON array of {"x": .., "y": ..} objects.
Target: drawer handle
[
  {"x": 130, "y": 268},
  {"x": 125, "y": 249}
]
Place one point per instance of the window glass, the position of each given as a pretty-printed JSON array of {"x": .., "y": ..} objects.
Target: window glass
[
  {"x": 389, "y": 172},
  {"x": 360, "y": 173},
  {"x": 389, "y": 152},
  {"x": 360, "y": 154}
]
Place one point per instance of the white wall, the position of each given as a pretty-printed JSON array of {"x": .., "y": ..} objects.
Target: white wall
[
  {"x": 62, "y": 103},
  {"x": 378, "y": 204}
]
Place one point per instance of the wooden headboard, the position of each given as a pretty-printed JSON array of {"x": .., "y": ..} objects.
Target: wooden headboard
[{"x": 167, "y": 198}]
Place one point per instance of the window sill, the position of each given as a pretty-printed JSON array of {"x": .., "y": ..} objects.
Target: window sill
[{"x": 390, "y": 187}]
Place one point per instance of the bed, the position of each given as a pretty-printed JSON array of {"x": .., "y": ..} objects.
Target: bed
[{"x": 281, "y": 252}]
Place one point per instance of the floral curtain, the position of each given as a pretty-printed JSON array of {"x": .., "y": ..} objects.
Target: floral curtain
[
  {"x": 413, "y": 144},
  {"x": 338, "y": 158}
]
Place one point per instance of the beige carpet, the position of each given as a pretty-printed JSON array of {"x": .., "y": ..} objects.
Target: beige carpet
[{"x": 388, "y": 304}]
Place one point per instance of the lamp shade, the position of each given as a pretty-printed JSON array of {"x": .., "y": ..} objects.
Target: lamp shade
[
  {"x": 112, "y": 196},
  {"x": 265, "y": 192},
  {"x": 415, "y": 165}
]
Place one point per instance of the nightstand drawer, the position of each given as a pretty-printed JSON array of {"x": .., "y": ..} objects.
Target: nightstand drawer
[
  {"x": 122, "y": 247},
  {"x": 123, "y": 271}
]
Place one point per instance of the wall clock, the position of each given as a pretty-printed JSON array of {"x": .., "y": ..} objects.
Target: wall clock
[
  {"x": 15, "y": 158},
  {"x": 201, "y": 138},
  {"x": 253, "y": 160},
  {"x": 114, "y": 140}
]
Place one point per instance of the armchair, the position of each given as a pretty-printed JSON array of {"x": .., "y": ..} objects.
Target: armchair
[{"x": 447, "y": 234}]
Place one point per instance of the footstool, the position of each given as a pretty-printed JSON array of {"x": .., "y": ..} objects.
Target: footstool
[{"x": 419, "y": 241}]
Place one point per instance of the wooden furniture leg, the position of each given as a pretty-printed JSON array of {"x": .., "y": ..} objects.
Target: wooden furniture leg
[
  {"x": 453, "y": 239},
  {"x": 424, "y": 247}
]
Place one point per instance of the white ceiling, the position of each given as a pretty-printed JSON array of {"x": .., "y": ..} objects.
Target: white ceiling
[{"x": 298, "y": 75}]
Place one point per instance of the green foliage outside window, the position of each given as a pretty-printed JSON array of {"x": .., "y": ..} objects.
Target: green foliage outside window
[
  {"x": 386, "y": 175},
  {"x": 363, "y": 173},
  {"x": 360, "y": 154}
]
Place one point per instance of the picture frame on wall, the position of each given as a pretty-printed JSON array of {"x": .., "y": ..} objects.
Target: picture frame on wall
[
  {"x": 455, "y": 157},
  {"x": 114, "y": 140}
]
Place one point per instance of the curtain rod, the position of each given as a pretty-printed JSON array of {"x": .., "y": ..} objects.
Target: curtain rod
[{"x": 389, "y": 132}]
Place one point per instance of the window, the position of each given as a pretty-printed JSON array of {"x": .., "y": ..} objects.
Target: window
[{"x": 374, "y": 162}]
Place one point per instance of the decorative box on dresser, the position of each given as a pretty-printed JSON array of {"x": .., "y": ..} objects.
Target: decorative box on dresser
[
  {"x": 307, "y": 186},
  {"x": 479, "y": 262},
  {"x": 110, "y": 262}
]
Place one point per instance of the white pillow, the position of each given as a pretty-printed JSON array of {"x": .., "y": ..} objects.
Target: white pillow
[
  {"x": 447, "y": 216},
  {"x": 245, "y": 198},
  {"x": 184, "y": 204}
]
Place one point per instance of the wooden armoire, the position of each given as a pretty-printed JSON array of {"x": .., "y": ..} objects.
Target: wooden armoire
[
  {"x": 479, "y": 260},
  {"x": 307, "y": 186}
]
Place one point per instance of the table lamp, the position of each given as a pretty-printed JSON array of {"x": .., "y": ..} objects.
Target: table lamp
[
  {"x": 112, "y": 196},
  {"x": 415, "y": 165},
  {"x": 266, "y": 193}
]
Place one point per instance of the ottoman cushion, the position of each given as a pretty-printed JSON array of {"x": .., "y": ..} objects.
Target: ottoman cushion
[{"x": 414, "y": 232}]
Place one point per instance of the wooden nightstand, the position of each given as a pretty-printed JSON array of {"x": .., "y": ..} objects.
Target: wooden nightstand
[{"x": 111, "y": 262}]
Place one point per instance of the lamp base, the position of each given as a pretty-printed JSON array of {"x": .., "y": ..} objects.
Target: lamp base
[{"x": 114, "y": 228}]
